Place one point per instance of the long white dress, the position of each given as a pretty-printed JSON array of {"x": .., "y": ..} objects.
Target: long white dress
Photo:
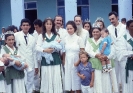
[
  {"x": 73, "y": 43},
  {"x": 51, "y": 74},
  {"x": 18, "y": 84},
  {"x": 103, "y": 82}
]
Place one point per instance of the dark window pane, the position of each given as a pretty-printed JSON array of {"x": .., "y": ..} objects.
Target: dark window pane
[
  {"x": 115, "y": 8},
  {"x": 31, "y": 5},
  {"x": 85, "y": 13},
  {"x": 79, "y": 10},
  {"x": 24, "y": 5},
  {"x": 61, "y": 12},
  {"x": 114, "y": 1},
  {"x": 60, "y": 2},
  {"x": 79, "y": 2},
  {"x": 85, "y": 2}
]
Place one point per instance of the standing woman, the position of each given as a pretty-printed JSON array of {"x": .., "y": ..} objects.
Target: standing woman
[
  {"x": 103, "y": 82},
  {"x": 50, "y": 73},
  {"x": 87, "y": 26},
  {"x": 73, "y": 44},
  {"x": 14, "y": 78}
]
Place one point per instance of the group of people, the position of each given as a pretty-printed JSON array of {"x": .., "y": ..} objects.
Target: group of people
[{"x": 79, "y": 59}]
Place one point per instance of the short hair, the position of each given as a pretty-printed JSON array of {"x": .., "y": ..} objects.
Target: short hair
[
  {"x": 38, "y": 22},
  {"x": 77, "y": 16},
  {"x": 113, "y": 13},
  {"x": 128, "y": 23},
  {"x": 96, "y": 28},
  {"x": 73, "y": 25},
  {"x": 123, "y": 19},
  {"x": 83, "y": 52},
  {"x": 25, "y": 20},
  {"x": 105, "y": 30}
]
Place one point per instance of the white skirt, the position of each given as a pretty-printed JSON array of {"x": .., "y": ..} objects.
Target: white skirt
[
  {"x": 51, "y": 79},
  {"x": 128, "y": 87},
  {"x": 2, "y": 86},
  {"x": 104, "y": 82},
  {"x": 18, "y": 86}
]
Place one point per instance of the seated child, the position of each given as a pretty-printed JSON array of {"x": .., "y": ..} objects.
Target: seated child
[
  {"x": 16, "y": 58},
  {"x": 86, "y": 73},
  {"x": 105, "y": 49},
  {"x": 56, "y": 45}
]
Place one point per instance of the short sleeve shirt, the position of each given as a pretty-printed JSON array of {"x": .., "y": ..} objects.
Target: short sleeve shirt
[{"x": 87, "y": 71}]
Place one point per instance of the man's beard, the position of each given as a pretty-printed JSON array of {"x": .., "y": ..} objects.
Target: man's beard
[{"x": 79, "y": 29}]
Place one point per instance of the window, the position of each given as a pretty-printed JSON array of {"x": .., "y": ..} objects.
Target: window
[
  {"x": 115, "y": 5},
  {"x": 83, "y": 9},
  {"x": 30, "y": 5},
  {"x": 115, "y": 2}
]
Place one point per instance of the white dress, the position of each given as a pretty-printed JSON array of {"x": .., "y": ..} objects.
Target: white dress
[
  {"x": 18, "y": 84},
  {"x": 73, "y": 43},
  {"x": 50, "y": 75}
]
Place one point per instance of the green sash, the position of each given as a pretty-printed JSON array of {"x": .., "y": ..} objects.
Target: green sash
[
  {"x": 1, "y": 77},
  {"x": 129, "y": 64},
  {"x": 11, "y": 72},
  {"x": 95, "y": 61},
  {"x": 56, "y": 56}
]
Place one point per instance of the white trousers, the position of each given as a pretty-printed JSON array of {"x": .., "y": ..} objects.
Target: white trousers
[
  {"x": 29, "y": 80},
  {"x": 86, "y": 89},
  {"x": 120, "y": 72}
]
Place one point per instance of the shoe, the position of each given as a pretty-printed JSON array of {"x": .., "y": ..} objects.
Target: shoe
[
  {"x": 109, "y": 69},
  {"x": 105, "y": 70}
]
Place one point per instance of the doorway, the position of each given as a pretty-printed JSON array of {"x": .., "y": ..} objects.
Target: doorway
[{"x": 31, "y": 15}]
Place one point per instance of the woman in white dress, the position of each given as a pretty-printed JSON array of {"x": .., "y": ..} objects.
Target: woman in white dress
[
  {"x": 14, "y": 78},
  {"x": 50, "y": 72},
  {"x": 103, "y": 82},
  {"x": 73, "y": 44},
  {"x": 124, "y": 48}
]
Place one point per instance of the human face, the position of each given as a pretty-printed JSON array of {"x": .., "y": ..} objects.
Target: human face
[
  {"x": 113, "y": 19},
  {"x": 37, "y": 28},
  {"x": 3, "y": 30},
  {"x": 58, "y": 21},
  {"x": 10, "y": 41},
  {"x": 87, "y": 27},
  {"x": 25, "y": 27},
  {"x": 96, "y": 34},
  {"x": 83, "y": 58},
  {"x": 103, "y": 34},
  {"x": 48, "y": 25},
  {"x": 100, "y": 24},
  {"x": 70, "y": 29},
  {"x": 15, "y": 30},
  {"x": 77, "y": 21},
  {"x": 130, "y": 28}
]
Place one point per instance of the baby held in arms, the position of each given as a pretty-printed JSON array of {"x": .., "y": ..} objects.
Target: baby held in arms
[{"x": 13, "y": 58}]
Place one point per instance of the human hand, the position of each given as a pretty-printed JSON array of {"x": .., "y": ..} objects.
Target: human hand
[
  {"x": 82, "y": 76},
  {"x": 91, "y": 85},
  {"x": 17, "y": 63},
  {"x": 36, "y": 71},
  {"x": 49, "y": 50}
]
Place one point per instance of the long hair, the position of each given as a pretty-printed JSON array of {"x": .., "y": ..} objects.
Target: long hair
[{"x": 44, "y": 28}]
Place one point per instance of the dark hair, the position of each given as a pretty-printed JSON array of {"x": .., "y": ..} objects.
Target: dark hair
[
  {"x": 38, "y": 22},
  {"x": 102, "y": 23},
  {"x": 44, "y": 28},
  {"x": 73, "y": 25},
  {"x": 11, "y": 28},
  {"x": 113, "y": 13},
  {"x": 25, "y": 21},
  {"x": 105, "y": 30},
  {"x": 3, "y": 28},
  {"x": 77, "y": 16},
  {"x": 128, "y": 23},
  {"x": 123, "y": 19},
  {"x": 96, "y": 28},
  {"x": 90, "y": 31}
]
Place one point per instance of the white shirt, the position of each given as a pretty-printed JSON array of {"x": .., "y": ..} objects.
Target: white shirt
[
  {"x": 123, "y": 48},
  {"x": 35, "y": 35},
  {"x": 3, "y": 36}
]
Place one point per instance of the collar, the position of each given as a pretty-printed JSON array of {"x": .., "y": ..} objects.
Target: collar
[
  {"x": 24, "y": 34},
  {"x": 73, "y": 35},
  {"x": 86, "y": 65},
  {"x": 49, "y": 36},
  {"x": 11, "y": 48},
  {"x": 98, "y": 41},
  {"x": 129, "y": 36}
]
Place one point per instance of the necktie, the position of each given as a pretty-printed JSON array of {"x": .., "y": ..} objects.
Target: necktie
[
  {"x": 115, "y": 32},
  {"x": 25, "y": 37}
]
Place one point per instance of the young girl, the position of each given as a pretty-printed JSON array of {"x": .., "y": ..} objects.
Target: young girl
[
  {"x": 14, "y": 78},
  {"x": 86, "y": 73},
  {"x": 104, "y": 47},
  {"x": 73, "y": 44},
  {"x": 50, "y": 73}
]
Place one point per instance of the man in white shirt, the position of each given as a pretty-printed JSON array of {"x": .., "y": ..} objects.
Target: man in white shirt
[
  {"x": 116, "y": 30},
  {"x": 80, "y": 31},
  {"x": 26, "y": 47},
  {"x": 38, "y": 30}
]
